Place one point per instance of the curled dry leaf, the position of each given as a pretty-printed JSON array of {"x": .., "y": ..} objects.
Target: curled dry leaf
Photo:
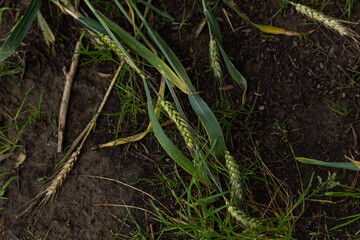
[
  {"x": 20, "y": 160},
  {"x": 226, "y": 88},
  {"x": 103, "y": 75}
]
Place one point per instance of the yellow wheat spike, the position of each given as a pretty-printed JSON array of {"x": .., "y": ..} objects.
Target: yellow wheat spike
[
  {"x": 50, "y": 192},
  {"x": 327, "y": 21}
]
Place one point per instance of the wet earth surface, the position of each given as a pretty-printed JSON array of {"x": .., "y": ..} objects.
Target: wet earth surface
[{"x": 304, "y": 93}]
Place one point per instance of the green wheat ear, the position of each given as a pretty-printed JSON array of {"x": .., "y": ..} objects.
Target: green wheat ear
[
  {"x": 180, "y": 122},
  {"x": 215, "y": 61},
  {"x": 235, "y": 183},
  {"x": 243, "y": 218},
  {"x": 106, "y": 39},
  {"x": 234, "y": 174},
  {"x": 327, "y": 21}
]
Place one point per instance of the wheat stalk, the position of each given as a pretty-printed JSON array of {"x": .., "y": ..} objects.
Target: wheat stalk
[
  {"x": 180, "y": 122},
  {"x": 215, "y": 60},
  {"x": 327, "y": 21},
  {"x": 234, "y": 174}
]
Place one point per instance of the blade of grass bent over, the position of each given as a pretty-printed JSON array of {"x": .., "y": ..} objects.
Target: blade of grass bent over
[
  {"x": 343, "y": 165},
  {"x": 124, "y": 54},
  {"x": 19, "y": 31},
  {"x": 161, "y": 13},
  {"x": 262, "y": 28},
  {"x": 211, "y": 124},
  {"x": 138, "y": 30},
  {"x": 168, "y": 53},
  {"x": 137, "y": 47}
]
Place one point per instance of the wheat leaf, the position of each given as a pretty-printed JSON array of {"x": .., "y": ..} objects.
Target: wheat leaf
[{"x": 19, "y": 31}]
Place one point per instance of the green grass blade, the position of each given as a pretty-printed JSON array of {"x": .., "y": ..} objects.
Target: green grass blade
[
  {"x": 214, "y": 27},
  {"x": 124, "y": 37},
  {"x": 165, "y": 142},
  {"x": 144, "y": 52},
  {"x": 175, "y": 98},
  {"x": 92, "y": 25},
  {"x": 121, "y": 51},
  {"x": 210, "y": 124},
  {"x": 161, "y": 13},
  {"x": 235, "y": 74},
  {"x": 119, "y": 35},
  {"x": 174, "y": 62},
  {"x": 124, "y": 12},
  {"x": 168, "y": 53},
  {"x": 19, "y": 31},
  {"x": 3, "y": 188},
  {"x": 343, "y": 165}
]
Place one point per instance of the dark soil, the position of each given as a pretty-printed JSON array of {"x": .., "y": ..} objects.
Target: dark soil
[{"x": 289, "y": 79}]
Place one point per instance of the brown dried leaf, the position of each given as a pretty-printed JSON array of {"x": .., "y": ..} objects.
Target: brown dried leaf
[
  {"x": 226, "y": 88},
  {"x": 103, "y": 75},
  {"x": 20, "y": 160}
]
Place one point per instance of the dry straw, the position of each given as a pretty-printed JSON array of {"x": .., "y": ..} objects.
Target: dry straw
[
  {"x": 327, "y": 21},
  {"x": 234, "y": 174},
  {"x": 50, "y": 192},
  {"x": 180, "y": 122}
]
